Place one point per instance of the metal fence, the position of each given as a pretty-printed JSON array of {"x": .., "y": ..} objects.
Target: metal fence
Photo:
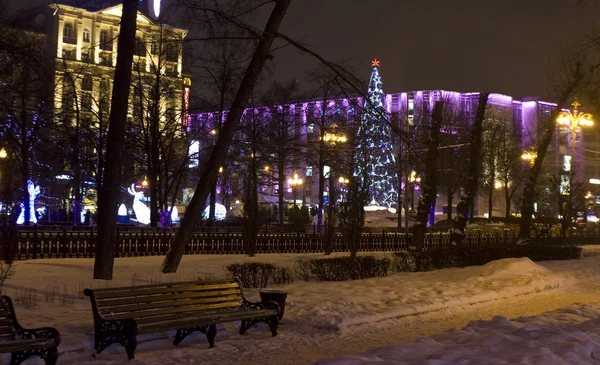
[{"x": 36, "y": 243}]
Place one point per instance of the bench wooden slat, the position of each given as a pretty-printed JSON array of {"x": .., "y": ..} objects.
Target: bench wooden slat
[
  {"x": 183, "y": 310},
  {"x": 161, "y": 285},
  {"x": 163, "y": 290},
  {"x": 7, "y": 330},
  {"x": 198, "y": 321},
  {"x": 22, "y": 345},
  {"x": 168, "y": 304},
  {"x": 151, "y": 298}
]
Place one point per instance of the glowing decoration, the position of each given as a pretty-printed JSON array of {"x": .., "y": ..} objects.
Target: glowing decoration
[
  {"x": 595, "y": 181},
  {"x": 34, "y": 191},
  {"x": 122, "y": 210},
  {"x": 154, "y": 8},
  {"x": 142, "y": 212},
  {"x": 374, "y": 150},
  {"x": 174, "y": 215},
  {"x": 220, "y": 212},
  {"x": 375, "y": 63},
  {"x": 3, "y": 153}
]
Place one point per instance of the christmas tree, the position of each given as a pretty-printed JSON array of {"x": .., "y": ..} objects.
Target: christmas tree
[{"x": 375, "y": 156}]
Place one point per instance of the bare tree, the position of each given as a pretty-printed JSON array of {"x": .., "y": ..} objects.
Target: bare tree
[
  {"x": 238, "y": 105},
  {"x": 109, "y": 193}
]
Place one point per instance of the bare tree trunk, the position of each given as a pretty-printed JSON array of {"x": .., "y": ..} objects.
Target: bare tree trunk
[
  {"x": 25, "y": 144},
  {"x": 154, "y": 171},
  {"x": 109, "y": 194},
  {"x": 491, "y": 186},
  {"x": 466, "y": 202},
  {"x": 430, "y": 183},
  {"x": 542, "y": 148},
  {"x": 217, "y": 156},
  {"x": 449, "y": 197},
  {"x": 212, "y": 205},
  {"x": 507, "y": 200}
]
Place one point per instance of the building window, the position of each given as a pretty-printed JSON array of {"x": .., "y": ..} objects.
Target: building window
[
  {"x": 140, "y": 49},
  {"x": 85, "y": 56},
  {"x": 105, "y": 43},
  {"x": 310, "y": 129},
  {"x": 86, "y": 102},
  {"x": 68, "y": 34},
  {"x": 86, "y": 35},
  {"x": 86, "y": 83},
  {"x": 172, "y": 53},
  {"x": 308, "y": 171}
]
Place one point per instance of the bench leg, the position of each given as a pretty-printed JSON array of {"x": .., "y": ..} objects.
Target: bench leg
[
  {"x": 211, "y": 334},
  {"x": 243, "y": 327},
  {"x": 184, "y": 332},
  {"x": 273, "y": 324},
  {"x": 51, "y": 356},
  {"x": 130, "y": 346}
]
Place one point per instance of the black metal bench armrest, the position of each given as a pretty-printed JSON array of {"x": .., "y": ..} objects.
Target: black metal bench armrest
[
  {"x": 39, "y": 333},
  {"x": 262, "y": 306}
]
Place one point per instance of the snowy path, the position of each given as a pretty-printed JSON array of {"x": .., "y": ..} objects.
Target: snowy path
[{"x": 324, "y": 320}]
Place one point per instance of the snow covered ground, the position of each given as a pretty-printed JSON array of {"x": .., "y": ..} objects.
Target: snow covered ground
[
  {"x": 322, "y": 320},
  {"x": 569, "y": 335}
]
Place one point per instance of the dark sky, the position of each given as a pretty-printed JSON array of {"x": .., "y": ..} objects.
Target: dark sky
[{"x": 507, "y": 46}]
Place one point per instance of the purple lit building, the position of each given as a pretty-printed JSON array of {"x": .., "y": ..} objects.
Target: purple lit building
[{"x": 529, "y": 117}]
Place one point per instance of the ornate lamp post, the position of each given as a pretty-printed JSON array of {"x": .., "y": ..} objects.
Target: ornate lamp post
[
  {"x": 295, "y": 182},
  {"x": 574, "y": 120},
  {"x": 529, "y": 156},
  {"x": 332, "y": 138},
  {"x": 412, "y": 179}
]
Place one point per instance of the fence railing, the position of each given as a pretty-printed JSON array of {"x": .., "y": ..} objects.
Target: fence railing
[{"x": 36, "y": 244}]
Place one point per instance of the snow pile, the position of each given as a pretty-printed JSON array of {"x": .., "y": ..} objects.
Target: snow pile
[
  {"x": 314, "y": 310},
  {"x": 565, "y": 336}
]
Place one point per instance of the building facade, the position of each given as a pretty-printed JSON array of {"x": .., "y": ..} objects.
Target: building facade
[
  {"x": 81, "y": 52},
  {"x": 528, "y": 118}
]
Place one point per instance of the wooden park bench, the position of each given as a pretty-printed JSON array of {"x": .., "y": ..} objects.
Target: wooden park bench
[
  {"x": 120, "y": 314},
  {"x": 24, "y": 343}
]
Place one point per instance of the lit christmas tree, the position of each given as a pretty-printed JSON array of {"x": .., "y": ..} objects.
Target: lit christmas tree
[{"x": 374, "y": 147}]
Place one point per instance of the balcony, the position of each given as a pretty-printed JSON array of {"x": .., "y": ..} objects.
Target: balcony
[
  {"x": 106, "y": 46},
  {"x": 69, "y": 40}
]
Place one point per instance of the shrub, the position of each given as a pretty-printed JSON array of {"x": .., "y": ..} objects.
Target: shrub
[
  {"x": 259, "y": 274},
  {"x": 343, "y": 268},
  {"x": 471, "y": 256},
  {"x": 7, "y": 270}
]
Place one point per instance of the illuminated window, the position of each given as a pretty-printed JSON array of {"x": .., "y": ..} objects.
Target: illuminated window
[
  {"x": 308, "y": 170},
  {"x": 86, "y": 35},
  {"x": 68, "y": 34}
]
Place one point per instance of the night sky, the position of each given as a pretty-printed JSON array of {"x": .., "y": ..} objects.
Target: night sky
[{"x": 507, "y": 46}]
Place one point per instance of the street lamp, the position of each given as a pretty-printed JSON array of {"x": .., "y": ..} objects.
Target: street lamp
[
  {"x": 574, "y": 120},
  {"x": 412, "y": 179},
  {"x": 529, "y": 156},
  {"x": 331, "y": 137},
  {"x": 295, "y": 182},
  {"x": 3, "y": 153},
  {"x": 144, "y": 182}
]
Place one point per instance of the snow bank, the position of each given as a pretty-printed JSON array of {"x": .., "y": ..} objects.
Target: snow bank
[
  {"x": 566, "y": 336},
  {"x": 314, "y": 310}
]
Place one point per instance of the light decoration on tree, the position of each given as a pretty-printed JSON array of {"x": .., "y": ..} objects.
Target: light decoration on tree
[
  {"x": 34, "y": 191},
  {"x": 374, "y": 148},
  {"x": 220, "y": 212}
]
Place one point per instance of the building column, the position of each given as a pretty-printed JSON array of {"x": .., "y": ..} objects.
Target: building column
[
  {"x": 79, "y": 32},
  {"x": 96, "y": 41},
  {"x": 113, "y": 33},
  {"x": 59, "y": 41}
]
